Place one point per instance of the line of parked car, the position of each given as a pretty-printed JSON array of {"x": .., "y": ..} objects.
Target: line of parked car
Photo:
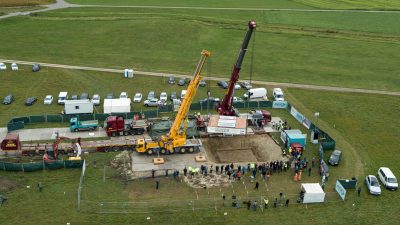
[
  {"x": 14, "y": 67},
  {"x": 10, "y": 98},
  {"x": 387, "y": 178}
]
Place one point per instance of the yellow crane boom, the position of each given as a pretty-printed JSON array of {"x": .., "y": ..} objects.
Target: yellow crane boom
[{"x": 175, "y": 140}]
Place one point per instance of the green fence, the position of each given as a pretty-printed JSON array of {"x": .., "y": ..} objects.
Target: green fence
[{"x": 41, "y": 165}]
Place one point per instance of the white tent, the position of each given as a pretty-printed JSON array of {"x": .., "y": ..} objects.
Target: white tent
[
  {"x": 119, "y": 105},
  {"x": 313, "y": 193}
]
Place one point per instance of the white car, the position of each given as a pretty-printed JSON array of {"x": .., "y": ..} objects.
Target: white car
[
  {"x": 48, "y": 100},
  {"x": 373, "y": 185},
  {"x": 96, "y": 99},
  {"x": 137, "y": 97},
  {"x": 14, "y": 67},
  {"x": 3, "y": 66},
  {"x": 152, "y": 102},
  {"x": 278, "y": 94},
  {"x": 163, "y": 96},
  {"x": 237, "y": 86},
  {"x": 123, "y": 95}
]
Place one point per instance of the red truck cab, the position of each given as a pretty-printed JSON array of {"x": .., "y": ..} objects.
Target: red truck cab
[
  {"x": 11, "y": 142},
  {"x": 114, "y": 124}
]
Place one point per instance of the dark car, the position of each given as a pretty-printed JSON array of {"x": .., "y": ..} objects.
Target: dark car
[
  {"x": 203, "y": 83},
  {"x": 181, "y": 82},
  {"x": 246, "y": 85},
  {"x": 30, "y": 100},
  {"x": 110, "y": 96},
  {"x": 74, "y": 97},
  {"x": 171, "y": 80},
  {"x": 84, "y": 95},
  {"x": 8, "y": 99},
  {"x": 187, "y": 81},
  {"x": 173, "y": 96},
  {"x": 223, "y": 84},
  {"x": 335, "y": 157},
  {"x": 35, "y": 67}
]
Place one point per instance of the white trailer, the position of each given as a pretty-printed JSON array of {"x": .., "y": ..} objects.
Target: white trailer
[
  {"x": 119, "y": 105},
  {"x": 78, "y": 106}
]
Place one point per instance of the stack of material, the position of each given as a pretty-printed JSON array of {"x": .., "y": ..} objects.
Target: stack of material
[{"x": 162, "y": 128}]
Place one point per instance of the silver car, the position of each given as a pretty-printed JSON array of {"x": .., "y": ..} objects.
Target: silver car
[
  {"x": 373, "y": 185},
  {"x": 151, "y": 95},
  {"x": 152, "y": 102}
]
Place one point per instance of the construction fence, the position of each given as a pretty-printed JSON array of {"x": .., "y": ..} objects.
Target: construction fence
[{"x": 40, "y": 165}]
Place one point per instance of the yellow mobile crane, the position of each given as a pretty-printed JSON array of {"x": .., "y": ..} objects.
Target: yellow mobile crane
[{"x": 175, "y": 141}]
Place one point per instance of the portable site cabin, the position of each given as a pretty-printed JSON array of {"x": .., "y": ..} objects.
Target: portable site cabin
[
  {"x": 293, "y": 136},
  {"x": 119, "y": 105},
  {"x": 128, "y": 73},
  {"x": 78, "y": 106},
  {"x": 313, "y": 193}
]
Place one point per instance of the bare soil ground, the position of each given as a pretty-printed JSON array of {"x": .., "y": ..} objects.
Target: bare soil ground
[
  {"x": 251, "y": 148},
  {"x": 7, "y": 185},
  {"x": 212, "y": 180}
]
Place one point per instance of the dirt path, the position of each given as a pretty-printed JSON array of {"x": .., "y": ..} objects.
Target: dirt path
[
  {"x": 60, "y": 4},
  {"x": 291, "y": 85}
]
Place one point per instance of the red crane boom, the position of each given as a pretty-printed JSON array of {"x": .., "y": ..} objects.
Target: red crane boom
[{"x": 226, "y": 107}]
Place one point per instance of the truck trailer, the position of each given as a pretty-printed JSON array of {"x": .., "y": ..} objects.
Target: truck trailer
[{"x": 117, "y": 125}]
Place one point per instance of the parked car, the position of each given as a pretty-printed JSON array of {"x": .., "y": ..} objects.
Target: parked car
[
  {"x": 223, "y": 84},
  {"x": 35, "y": 67},
  {"x": 335, "y": 157},
  {"x": 237, "y": 100},
  {"x": 211, "y": 99},
  {"x": 30, "y": 100},
  {"x": 152, "y": 102},
  {"x": 387, "y": 178},
  {"x": 151, "y": 95},
  {"x": 48, "y": 100},
  {"x": 74, "y": 97},
  {"x": 96, "y": 99},
  {"x": 173, "y": 96},
  {"x": 163, "y": 96},
  {"x": 181, "y": 82},
  {"x": 187, "y": 80},
  {"x": 3, "y": 66},
  {"x": 8, "y": 99},
  {"x": 84, "y": 95},
  {"x": 110, "y": 96},
  {"x": 373, "y": 185},
  {"x": 14, "y": 67},
  {"x": 171, "y": 80},
  {"x": 203, "y": 83},
  {"x": 123, "y": 95},
  {"x": 246, "y": 85},
  {"x": 137, "y": 97},
  {"x": 277, "y": 93},
  {"x": 237, "y": 86}
]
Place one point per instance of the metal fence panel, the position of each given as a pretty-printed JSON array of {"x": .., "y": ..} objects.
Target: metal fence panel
[
  {"x": 86, "y": 117},
  {"x": 15, "y": 126},
  {"x": 54, "y": 118},
  {"x": 20, "y": 119},
  {"x": 37, "y": 119},
  {"x": 35, "y": 166}
]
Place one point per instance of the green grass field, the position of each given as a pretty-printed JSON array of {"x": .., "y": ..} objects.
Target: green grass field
[
  {"x": 324, "y": 57},
  {"x": 287, "y": 4},
  {"x": 338, "y": 49},
  {"x": 12, "y": 3}
]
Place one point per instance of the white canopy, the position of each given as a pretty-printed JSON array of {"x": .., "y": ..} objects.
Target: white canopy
[{"x": 313, "y": 193}]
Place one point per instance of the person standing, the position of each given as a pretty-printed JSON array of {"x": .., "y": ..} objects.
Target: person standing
[
  {"x": 287, "y": 202},
  {"x": 256, "y": 187},
  {"x": 248, "y": 204},
  {"x": 255, "y": 205},
  {"x": 157, "y": 184},
  {"x": 216, "y": 169},
  {"x": 185, "y": 171},
  {"x": 309, "y": 171},
  {"x": 359, "y": 191}
]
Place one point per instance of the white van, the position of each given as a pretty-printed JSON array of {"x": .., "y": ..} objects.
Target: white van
[
  {"x": 256, "y": 93},
  {"x": 62, "y": 97},
  {"x": 278, "y": 94},
  {"x": 183, "y": 93},
  {"x": 387, "y": 178}
]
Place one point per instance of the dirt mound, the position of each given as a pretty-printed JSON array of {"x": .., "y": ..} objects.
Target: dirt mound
[
  {"x": 7, "y": 185},
  {"x": 251, "y": 148},
  {"x": 122, "y": 163},
  {"x": 212, "y": 180}
]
